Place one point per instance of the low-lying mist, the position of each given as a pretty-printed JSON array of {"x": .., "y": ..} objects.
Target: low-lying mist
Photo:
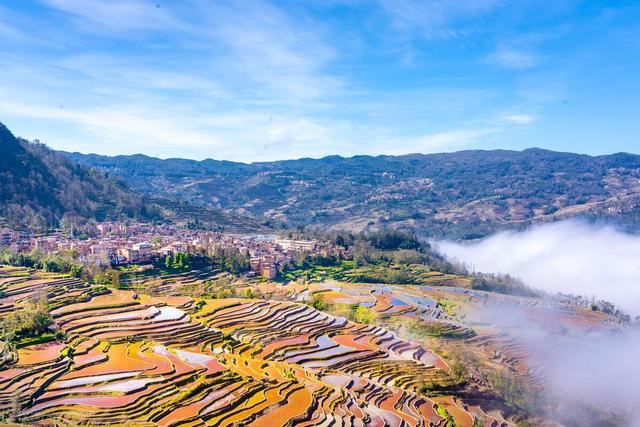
[
  {"x": 578, "y": 258},
  {"x": 582, "y": 370},
  {"x": 569, "y": 257}
]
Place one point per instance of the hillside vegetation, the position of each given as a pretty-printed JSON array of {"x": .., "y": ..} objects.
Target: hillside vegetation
[
  {"x": 465, "y": 194},
  {"x": 39, "y": 187}
]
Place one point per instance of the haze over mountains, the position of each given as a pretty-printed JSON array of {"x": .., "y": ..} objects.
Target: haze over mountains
[{"x": 466, "y": 194}]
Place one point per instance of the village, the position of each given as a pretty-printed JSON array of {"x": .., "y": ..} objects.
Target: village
[{"x": 120, "y": 244}]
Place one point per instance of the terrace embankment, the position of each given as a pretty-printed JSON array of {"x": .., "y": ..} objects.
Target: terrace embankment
[{"x": 122, "y": 357}]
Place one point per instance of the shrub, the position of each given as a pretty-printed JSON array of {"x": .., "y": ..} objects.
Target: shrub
[
  {"x": 31, "y": 322},
  {"x": 319, "y": 303},
  {"x": 107, "y": 277},
  {"x": 362, "y": 314},
  {"x": 76, "y": 271},
  {"x": 514, "y": 391}
]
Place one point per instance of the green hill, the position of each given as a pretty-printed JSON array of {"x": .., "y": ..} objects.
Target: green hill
[{"x": 38, "y": 187}]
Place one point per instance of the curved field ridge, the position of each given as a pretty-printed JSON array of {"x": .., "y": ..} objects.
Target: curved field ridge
[{"x": 141, "y": 360}]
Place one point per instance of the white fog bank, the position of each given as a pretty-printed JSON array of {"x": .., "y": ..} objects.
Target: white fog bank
[{"x": 570, "y": 257}]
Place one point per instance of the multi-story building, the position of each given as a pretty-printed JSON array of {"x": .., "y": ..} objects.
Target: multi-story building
[
  {"x": 129, "y": 254},
  {"x": 296, "y": 245},
  {"x": 144, "y": 251},
  {"x": 6, "y": 237},
  {"x": 269, "y": 271}
]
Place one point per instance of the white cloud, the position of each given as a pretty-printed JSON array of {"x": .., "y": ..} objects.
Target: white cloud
[
  {"x": 279, "y": 71},
  {"x": 170, "y": 132},
  {"x": 115, "y": 15},
  {"x": 570, "y": 257},
  {"x": 603, "y": 371},
  {"x": 119, "y": 127},
  {"x": 513, "y": 58},
  {"x": 435, "y": 18},
  {"x": 283, "y": 54},
  {"x": 519, "y": 119},
  {"x": 121, "y": 75},
  {"x": 255, "y": 46},
  {"x": 249, "y": 77},
  {"x": 581, "y": 367},
  {"x": 442, "y": 141}
]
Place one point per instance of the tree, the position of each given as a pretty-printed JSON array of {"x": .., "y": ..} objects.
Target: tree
[
  {"x": 34, "y": 320},
  {"x": 319, "y": 303},
  {"x": 50, "y": 266},
  {"x": 362, "y": 252},
  {"x": 392, "y": 240},
  {"x": 108, "y": 277},
  {"x": 67, "y": 226},
  {"x": 76, "y": 270},
  {"x": 361, "y": 314},
  {"x": 179, "y": 259}
]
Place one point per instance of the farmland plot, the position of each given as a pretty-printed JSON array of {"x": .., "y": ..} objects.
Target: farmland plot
[{"x": 119, "y": 357}]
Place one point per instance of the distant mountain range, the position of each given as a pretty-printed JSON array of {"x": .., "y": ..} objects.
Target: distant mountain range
[{"x": 465, "y": 194}]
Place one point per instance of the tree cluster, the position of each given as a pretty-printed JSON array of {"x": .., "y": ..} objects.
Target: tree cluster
[
  {"x": 32, "y": 321},
  {"x": 502, "y": 284},
  {"x": 64, "y": 262}
]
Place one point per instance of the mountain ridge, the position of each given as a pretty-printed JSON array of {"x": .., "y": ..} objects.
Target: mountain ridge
[
  {"x": 143, "y": 156},
  {"x": 464, "y": 194}
]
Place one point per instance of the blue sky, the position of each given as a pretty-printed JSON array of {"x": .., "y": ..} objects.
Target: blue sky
[{"x": 258, "y": 80}]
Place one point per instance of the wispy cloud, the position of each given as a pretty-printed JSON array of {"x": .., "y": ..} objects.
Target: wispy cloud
[
  {"x": 120, "y": 127},
  {"x": 296, "y": 78},
  {"x": 115, "y": 15},
  {"x": 435, "y": 18},
  {"x": 255, "y": 66},
  {"x": 510, "y": 57},
  {"x": 278, "y": 51},
  {"x": 442, "y": 141},
  {"x": 170, "y": 132},
  {"x": 519, "y": 119}
]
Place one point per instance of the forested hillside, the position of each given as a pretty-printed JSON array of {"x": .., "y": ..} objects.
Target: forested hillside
[
  {"x": 464, "y": 194},
  {"x": 39, "y": 188}
]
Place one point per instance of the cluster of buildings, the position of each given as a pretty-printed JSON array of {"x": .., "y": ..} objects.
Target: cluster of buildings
[
  {"x": 268, "y": 257},
  {"x": 118, "y": 243},
  {"x": 114, "y": 243},
  {"x": 17, "y": 241}
]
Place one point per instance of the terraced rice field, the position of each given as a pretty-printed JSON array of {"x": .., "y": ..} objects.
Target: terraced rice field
[
  {"x": 192, "y": 281},
  {"x": 142, "y": 360},
  {"x": 490, "y": 329}
]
